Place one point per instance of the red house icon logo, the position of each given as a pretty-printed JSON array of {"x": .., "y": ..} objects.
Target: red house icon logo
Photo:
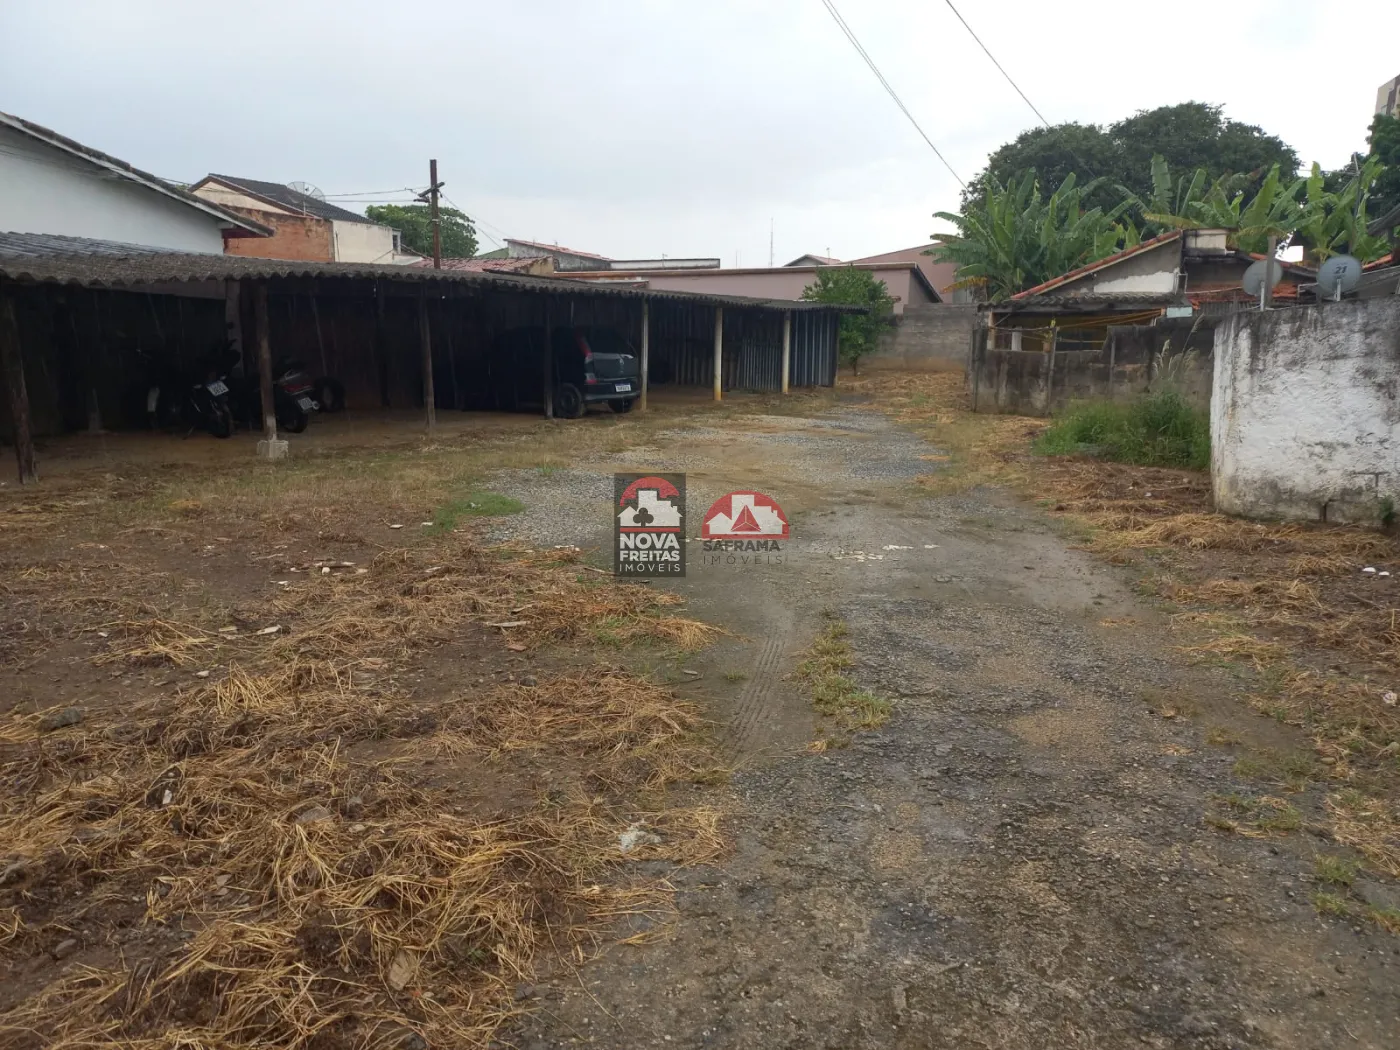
[{"x": 744, "y": 516}]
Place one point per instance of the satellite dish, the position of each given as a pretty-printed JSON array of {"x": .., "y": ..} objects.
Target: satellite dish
[
  {"x": 1254, "y": 276},
  {"x": 1337, "y": 275},
  {"x": 307, "y": 189}
]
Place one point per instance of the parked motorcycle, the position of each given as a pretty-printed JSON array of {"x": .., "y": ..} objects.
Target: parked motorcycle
[
  {"x": 176, "y": 399},
  {"x": 295, "y": 396}
]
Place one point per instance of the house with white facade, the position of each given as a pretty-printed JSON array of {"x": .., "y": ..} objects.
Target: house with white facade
[
  {"x": 51, "y": 185},
  {"x": 305, "y": 226}
]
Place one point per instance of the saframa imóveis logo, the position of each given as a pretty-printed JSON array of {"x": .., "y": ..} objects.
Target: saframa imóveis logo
[{"x": 744, "y": 528}]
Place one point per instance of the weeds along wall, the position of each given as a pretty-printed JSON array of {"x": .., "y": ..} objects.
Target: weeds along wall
[
  {"x": 1306, "y": 412},
  {"x": 1118, "y": 363}
]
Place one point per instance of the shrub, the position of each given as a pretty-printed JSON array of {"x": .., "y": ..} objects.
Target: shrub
[{"x": 1157, "y": 430}]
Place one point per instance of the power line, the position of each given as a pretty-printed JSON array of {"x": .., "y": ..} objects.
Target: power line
[
  {"x": 479, "y": 222},
  {"x": 996, "y": 63},
  {"x": 376, "y": 193},
  {"x": 835, "y": 14}
]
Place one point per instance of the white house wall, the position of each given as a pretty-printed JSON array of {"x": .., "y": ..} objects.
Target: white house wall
[
  {"x": 1305, "y": 423},
  {"x": 363, "y": 242},
  {"x": 45, "y": 190},
  {"x": 1160, "y": 282}
]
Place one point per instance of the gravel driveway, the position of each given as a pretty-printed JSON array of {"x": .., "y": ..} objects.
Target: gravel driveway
[{"x": 1019, "y": 858}]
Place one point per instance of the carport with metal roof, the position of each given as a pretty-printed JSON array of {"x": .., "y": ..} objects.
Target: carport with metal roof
[{"x": 76, "y": 327}]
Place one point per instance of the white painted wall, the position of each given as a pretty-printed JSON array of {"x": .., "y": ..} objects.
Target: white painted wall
[
  {"x": 1305, "y": 411},
  {"x": 45, "y": 190},
  {"x": 1162, "y": 282},
  {"x": 363, "y": 242}
]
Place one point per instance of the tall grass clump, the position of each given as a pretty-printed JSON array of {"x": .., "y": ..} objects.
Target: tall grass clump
[{"x": 1157, "y": 430}]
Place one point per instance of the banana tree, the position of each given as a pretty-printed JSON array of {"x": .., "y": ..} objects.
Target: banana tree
[
  {"x": 1335, "y": 223},
  {"x": 1017, "y": 238}
]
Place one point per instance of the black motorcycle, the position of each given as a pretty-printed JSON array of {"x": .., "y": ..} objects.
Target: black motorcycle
[{"x": 191, "y": 401}]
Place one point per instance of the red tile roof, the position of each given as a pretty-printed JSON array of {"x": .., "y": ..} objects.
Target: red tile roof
[
  {"x": 1108, "y": 260},
  {"x": 485, "y": 265}
]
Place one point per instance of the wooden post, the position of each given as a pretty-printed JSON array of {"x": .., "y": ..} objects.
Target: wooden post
[
  {"x": 787, "y": 348},
  {"x": 12, "y": 365},
  {"x": 719, "y": 353},
  {"x": 548, "y": 378},
  {"x": 425, "y": 339},
  {"x": 381, "y": 350},
  {"x": 646, "y": 353},
  {"x": 262, "y": 343},
  {"x": 316, "y": 318},
  {"x": 269, "y": 406}
]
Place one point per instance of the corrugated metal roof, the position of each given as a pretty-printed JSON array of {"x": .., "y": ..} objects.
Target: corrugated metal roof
[
  {"x": 285, "y": 197},
  {"x": 101, "y": 270},
  {"x": 121, "y": 168},
  {"x": 47, "y": 244}
]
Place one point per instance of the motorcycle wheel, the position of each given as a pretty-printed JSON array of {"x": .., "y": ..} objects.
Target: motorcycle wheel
[
  {"x": 219, "y": 420},
  {"x": 291, "y": 417},
  {"x": 330, "y": 394}
]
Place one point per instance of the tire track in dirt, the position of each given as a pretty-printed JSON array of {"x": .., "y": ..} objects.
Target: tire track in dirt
[{"x": 758, "y": 695}]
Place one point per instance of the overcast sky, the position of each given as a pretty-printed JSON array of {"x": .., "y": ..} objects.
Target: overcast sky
[{"x": 636, "y": 129}]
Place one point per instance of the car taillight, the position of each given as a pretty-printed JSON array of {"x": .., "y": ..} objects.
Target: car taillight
[{"x": 587, "y": 350}]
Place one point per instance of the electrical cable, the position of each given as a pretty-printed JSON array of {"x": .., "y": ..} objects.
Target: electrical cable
[
  {"x": 478, "y": 222},
  {"x": 850, "y": 35},
  {"x": 996, "y": 63}
]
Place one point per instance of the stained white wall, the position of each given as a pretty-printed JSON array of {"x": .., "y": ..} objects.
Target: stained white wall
[
  {"x": 45, "y": 190},
  {"x": 1305, "y": 411},
  {"x": 363, "y": 242},
  {"x": 217, "y": 193}
]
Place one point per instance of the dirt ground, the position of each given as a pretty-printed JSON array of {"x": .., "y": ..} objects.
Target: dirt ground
[{"x": 1048, "y": 844}]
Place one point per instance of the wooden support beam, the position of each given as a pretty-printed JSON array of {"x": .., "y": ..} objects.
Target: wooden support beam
[
  {"x": 425, "y": 338},
  {"x": 787, "y": 348},
  {"x": 264, "y": 340},
  {"x": 12, "y": 366},
  {"x": 719, "y": 353},
  {"x": 548, "y": 378},
  {"x": 646, "y": 353}
]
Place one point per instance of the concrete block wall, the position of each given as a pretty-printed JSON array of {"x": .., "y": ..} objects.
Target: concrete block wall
[
  {"x": 1305, "y": 420},
  {"x": 1132, "y": 360},
  {"x": 933, "y": 337}
]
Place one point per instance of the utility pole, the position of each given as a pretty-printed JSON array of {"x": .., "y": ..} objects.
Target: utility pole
[{"x": 430, "y": 197}]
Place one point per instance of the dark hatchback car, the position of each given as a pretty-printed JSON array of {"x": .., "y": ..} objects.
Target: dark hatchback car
[{"x": 591, "y": 365}]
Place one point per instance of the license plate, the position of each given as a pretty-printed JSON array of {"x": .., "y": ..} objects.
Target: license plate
[
  {"x": 307, "y": 405},
  {"x": 624, "y": 388},
  {"x": 216, "y": 388}
]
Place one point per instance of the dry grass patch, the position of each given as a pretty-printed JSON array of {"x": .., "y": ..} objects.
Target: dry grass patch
[
  {"x": 289, "y": 892},
  {"x": 327, "y": 898}
]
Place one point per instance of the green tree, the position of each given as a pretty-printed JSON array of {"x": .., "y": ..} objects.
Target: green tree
[
  {"x": 1054, "y": 154},
  {"x": 1197, "y": 135},
  {"x": 1187, "y": 136},
  {"x": 860, "y": 333},
  {"x": 414, "y": 222},
  {"x": 1018, "y": 238},
  {"x": 1385, "y": 148}
]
